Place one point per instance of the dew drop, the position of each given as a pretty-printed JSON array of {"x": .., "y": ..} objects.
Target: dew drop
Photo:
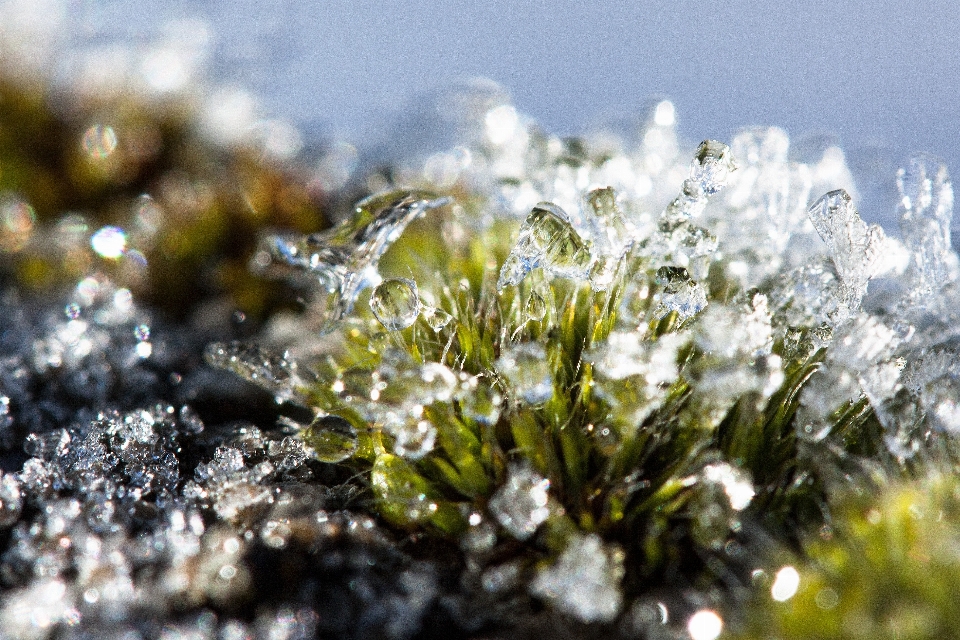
[
  {"x": 536, "y": 307},
  {"x": 109, "y": 242},
  {"x": 436, "y": 318},
  {"x": 99, "y": 141},
  {"x": 332, "y": 438},
  {"x": 396, "y": 303}
]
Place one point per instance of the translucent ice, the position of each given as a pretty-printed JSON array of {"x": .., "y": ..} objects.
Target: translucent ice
[
  {"x": 585, "y": 581},
  {"x": 277, "y": 373},
  {"x": 396, "y": 303},
  {"x": 678, "y": 241},
  {"x": 712, "y": 166},
  {"x": 633, "y": 373},
  {"x": 345, "y": 259},
  {"x": 860, "y": 361},
  {"x": 857, "y": 248},
  {"x": 521, "y": 504},
  {"x": 547, "y": 240},
  {"x": 528, "y": 372},
  {"x": 679, "y": 293},
  {"x": 721, "y": 492},
  {"x": 743, "y": 330},
  {"x": 926, "y": 211}
]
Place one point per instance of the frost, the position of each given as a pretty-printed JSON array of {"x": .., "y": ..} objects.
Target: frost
[
  {"x": 926, "y": 211},
  {"x": 547, "y": 240},
  {"x": 276, "y": 373},
  {"x": 712, "y": 166},
  {"x": 587, "y": 247},
  {"x": 585, "y": 581},
  {"x": 521, "y": 504},
  {"x": 527, "y": 371},
  {"x": 679, "y": 294},
  {"x": 859, "y": 251}
]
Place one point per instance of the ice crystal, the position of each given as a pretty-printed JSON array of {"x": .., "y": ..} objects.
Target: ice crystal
[
  {"x": 679, "y": 293},
  {"x": 585, "y": 581},
  {"x": 275, "y": 372},
  {"x": 527, "y": 372},
  {"x": 859, "y": 251},
  {"x": 345, "y": 259},
  {"x": 712, "y": 166},
  {"x": 521, "y": 504},
  {"x": 547, "y": 240},
  {"x": 926, "y": 211}
]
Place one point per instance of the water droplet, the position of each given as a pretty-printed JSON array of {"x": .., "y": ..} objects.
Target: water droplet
[
  {"x": 99, "y": 141},
  {"x": 547, "y": 240},
  {"x": 332, "y": 438},
  {"x": 536, "y": 307},
  {"x": 412, "y": 438},
  {"x": 396, "y": 303},
  {"x": 109, "y": 242},
  {"x": 345, "y": 259},
  {"x": 526, "y": 368},
  {"x": 712, "y": 166},
  {"x": 437, "y": 318},
  {"x": 480, "y": 402}
]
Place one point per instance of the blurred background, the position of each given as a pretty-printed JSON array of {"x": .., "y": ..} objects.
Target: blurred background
[{"x": 879, "y": 77}]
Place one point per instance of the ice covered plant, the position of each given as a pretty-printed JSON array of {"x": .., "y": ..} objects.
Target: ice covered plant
[
  {"x": 614, "y": 383},
  {"x": 622, "y": 379}
]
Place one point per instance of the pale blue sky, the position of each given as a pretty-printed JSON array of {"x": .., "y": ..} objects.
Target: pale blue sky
[{"x": 882, "y": 75}]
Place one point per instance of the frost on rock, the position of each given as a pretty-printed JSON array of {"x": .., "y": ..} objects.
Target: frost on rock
[
  {"x": 585, "y": 581},
  {"x": 345, "y": 259},
  {"x": 521, "y": 504}
]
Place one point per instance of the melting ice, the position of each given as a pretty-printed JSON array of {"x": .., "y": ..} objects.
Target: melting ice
[{"x": 345, "y": 259}]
